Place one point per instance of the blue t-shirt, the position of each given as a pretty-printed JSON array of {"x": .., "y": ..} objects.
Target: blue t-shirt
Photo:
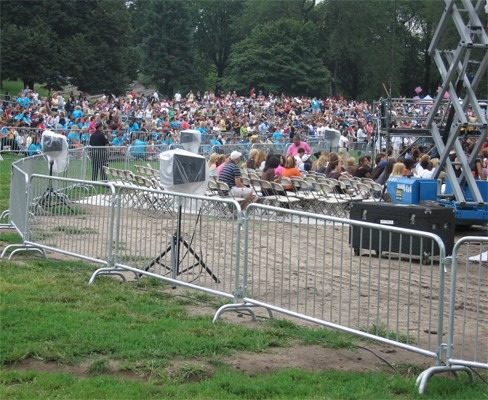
[
  {"x": 77, "y": 114},
  {"x": 73, "y": 136},
  {"x": 138, "y": 149},
  {"x": 34, "y": 149},
  {"x": 118, "y": 141}
]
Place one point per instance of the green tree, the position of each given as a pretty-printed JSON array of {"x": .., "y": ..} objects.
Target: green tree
[
  {"x": 167, "y": 45},
  {"x": 258, "y": 12},
  {"x": 51, "y": 41},
  {"x": 30, "y": 49},
  {"x": 21, "y": 46},
  {"x": 417, "y": 21},
  {"x": 214, "y": 36},
  {"x": 99, "y": 53},
  {"x": 358, "y": 39},
  {"x": 279, "y": 57}
]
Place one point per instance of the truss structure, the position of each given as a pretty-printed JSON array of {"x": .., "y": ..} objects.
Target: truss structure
[{"x": 461, "y": 69}]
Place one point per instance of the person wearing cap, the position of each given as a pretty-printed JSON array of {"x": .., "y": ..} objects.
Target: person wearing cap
[
  {"x": 231, "y": 174},
  {"x": 98, "y": 141}
]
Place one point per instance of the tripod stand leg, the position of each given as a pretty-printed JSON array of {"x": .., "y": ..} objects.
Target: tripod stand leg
[
  {"x": 158, "y": 259},
  {"x": 199, "y": 262},
  {"x": 174, "y": 248}
]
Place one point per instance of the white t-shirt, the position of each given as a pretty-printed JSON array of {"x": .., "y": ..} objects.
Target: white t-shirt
[
  {"x": 300, "y": 163},
  {"x": 343, "y": 141},
  {"x": 361, "y": 135}
]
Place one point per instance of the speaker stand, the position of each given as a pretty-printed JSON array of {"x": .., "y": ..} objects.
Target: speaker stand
[
  {"x": 174, "y": 247},
  {"x": 51, "y": 197}
]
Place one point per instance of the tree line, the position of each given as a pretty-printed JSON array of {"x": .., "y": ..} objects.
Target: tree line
[{"x": 356, "y": 49}]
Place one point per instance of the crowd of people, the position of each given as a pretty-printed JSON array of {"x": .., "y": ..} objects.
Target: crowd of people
[
  {"x": 273, "y": 167},
  {"x": 140, "y": 120},
  {"x": 223, "y": 118}
]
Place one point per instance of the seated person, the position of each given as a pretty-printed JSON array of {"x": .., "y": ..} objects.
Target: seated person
[
  {"x": 74, "y": 138},
  {"x": 231, "y": 175},
  {"x": 35, "y": 147},
  {"x": 334, "y": 168},
  {"x": 137, "y": 148},
  {"x": 298, "y": 158},
  {"x": 119, "y": 140},
  {"x": 290, "y": 171},
  {"x": 269, "y": 174},
  {"x": 364, "y": 168}
]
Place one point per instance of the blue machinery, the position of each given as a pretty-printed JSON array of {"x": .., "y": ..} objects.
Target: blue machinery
[{"x": 461, "y": 70}]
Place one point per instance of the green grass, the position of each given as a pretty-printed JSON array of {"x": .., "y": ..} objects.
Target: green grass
[
  {"x": 5, "y": 170},
  {"x": 49, "y": 313},
  {"x": 14, "y": 88}
]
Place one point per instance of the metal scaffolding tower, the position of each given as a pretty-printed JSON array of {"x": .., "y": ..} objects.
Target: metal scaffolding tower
[{"x": 461, "y": 69}]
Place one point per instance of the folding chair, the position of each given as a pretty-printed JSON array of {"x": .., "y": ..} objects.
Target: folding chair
[
  {"x": 283, "y": 197},
  {"x": 302, "y": 192},
  {"x": 337, "y": 205}
]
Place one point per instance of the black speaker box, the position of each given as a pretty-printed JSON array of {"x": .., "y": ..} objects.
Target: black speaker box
[{"x": 434, "y": 219}]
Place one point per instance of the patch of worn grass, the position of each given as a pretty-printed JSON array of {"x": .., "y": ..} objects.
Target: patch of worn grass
[
  {"x": 382, "y": 331},
  {"x": 192, "y": 381},
  {"x": 49, "y": 313},
  {"x": 74, "y": 231}
]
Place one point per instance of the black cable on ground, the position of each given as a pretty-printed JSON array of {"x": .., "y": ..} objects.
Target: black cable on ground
[{"x": 380, "y": 358}]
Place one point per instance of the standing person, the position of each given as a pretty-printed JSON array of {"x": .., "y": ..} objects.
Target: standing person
[
  {"x": 361, "y": 135},
  {"x": 344, "y": 141},
  {"x": 297, "y": 143},
  {"x": 98, "y": 140}
]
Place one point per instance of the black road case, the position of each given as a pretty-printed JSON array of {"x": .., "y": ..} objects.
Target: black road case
[{"x": 433, "y": 218}]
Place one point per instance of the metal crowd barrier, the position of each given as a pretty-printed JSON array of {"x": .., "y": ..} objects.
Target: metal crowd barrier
[
  {"x": 271, "y": 148},
  {"x": 300, "y": 264},
  {"x": 467, "y": 345},
  {"x": 303, "y": 265}
]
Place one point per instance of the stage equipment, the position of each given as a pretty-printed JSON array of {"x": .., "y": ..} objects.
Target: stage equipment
[
  {"x": 183, "y": 172},
  {"x": 332, "y": 137},
  {"x": 430, "y": 218},
  {"x": 55, "y": 148},
  {"x": 190, "y": 140}
]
